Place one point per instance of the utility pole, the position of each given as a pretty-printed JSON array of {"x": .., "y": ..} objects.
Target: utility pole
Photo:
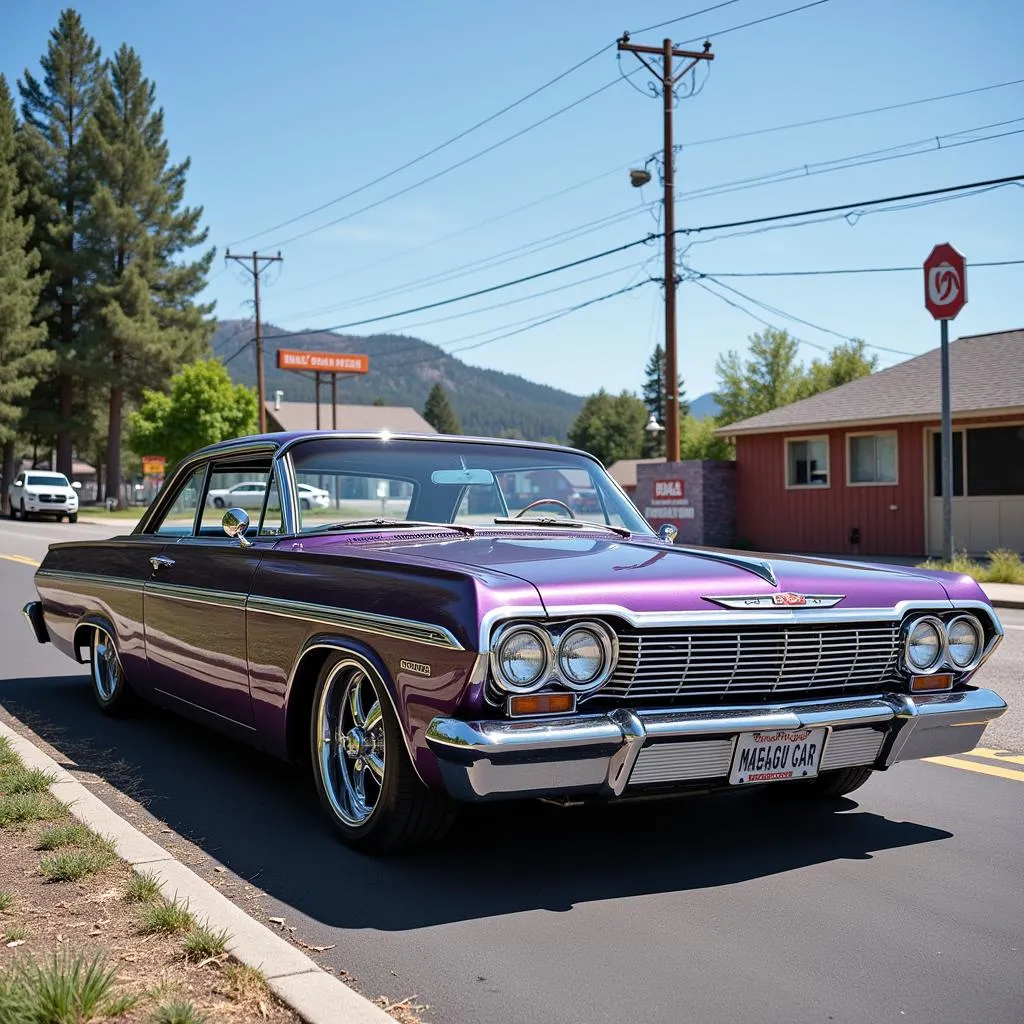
[
  {"x": 668, "y": 77},
  {"x": 259, "y": 264}
]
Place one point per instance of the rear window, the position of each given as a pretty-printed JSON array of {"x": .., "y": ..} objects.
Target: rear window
[{"x": 47, "y": 480}]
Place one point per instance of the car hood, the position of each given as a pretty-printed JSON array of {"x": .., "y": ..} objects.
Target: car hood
[
  {"x": 50, "y": 489},
  {"x": 570, "y": 571}
]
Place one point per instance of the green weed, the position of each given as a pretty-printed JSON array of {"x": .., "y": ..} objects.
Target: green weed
[
  {"x": 142, "y": 887},
  {"x": 168, "y": 917},
  {"x": 71, "y": 865}
]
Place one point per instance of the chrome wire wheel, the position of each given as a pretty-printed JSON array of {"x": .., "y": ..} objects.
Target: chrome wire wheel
[
  {"x": 352, "y": 754},
  {"x": 107, "y": 675}
]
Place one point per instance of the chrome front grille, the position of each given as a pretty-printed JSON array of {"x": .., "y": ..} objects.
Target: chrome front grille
[{"x": 757, "y": 662}]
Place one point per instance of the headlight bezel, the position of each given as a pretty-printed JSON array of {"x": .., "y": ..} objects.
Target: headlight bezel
[
  {"x": 607, "y": 644},
  {"x": 979, "y": 631},
  {"x": 945, "y": 662},
  {"x": 502, "y": 637},
  {"x": 940, "y": 655},
  {"x": 551, "y": 637}
]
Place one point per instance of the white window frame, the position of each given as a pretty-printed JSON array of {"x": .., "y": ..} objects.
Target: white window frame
[
  {"x": 850, "y": 482},
  {"x": 787, "y": 441}
]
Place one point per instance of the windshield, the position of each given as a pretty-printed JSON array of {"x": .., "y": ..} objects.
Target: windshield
[
  {"x": 464, "y": 482},
  {"x": 47, "y": 480}
]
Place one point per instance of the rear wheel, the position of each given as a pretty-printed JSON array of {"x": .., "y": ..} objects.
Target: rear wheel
[
  {"x": 362, "y": 772},
  {"x": 304, "y": 504},
  {"x": 218, "y": 502},
  {"x": 827, "y": 786},
  {"x": 109, "y": 685}
]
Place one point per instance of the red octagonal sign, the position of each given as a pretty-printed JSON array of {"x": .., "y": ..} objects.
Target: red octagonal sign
[{"x": 945, "y": 282}]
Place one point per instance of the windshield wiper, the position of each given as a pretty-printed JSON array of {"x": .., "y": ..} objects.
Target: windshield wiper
[
  {"x": 558, "y": 521},
  {"x": 370, "y": 524}
]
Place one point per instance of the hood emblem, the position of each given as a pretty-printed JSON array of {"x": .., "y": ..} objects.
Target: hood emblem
[{"x": 784, "y": 599}]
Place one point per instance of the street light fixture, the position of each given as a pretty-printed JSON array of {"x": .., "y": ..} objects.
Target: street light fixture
[
  {"x": 653, "y": 426},
  {"x": 639, "y": 178}
]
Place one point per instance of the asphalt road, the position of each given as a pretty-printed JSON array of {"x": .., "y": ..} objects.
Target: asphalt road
[{"x": 906, "y": 905}]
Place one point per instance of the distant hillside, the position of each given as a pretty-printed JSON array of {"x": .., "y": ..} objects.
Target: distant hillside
[
  {"x": 402, "y": 372},
  {"x": 703, "y": 406}
]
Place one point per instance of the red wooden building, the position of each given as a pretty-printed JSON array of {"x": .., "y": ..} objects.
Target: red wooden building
[{"x": 856, "y": 470}]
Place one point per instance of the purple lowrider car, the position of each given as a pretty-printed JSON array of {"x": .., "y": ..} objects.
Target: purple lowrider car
[{"x": 439, "y": 634}]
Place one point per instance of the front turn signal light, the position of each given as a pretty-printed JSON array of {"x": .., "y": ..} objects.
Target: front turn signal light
[
  {"x": 541, "y": 704},
  {"x": 939, "y": 681}
]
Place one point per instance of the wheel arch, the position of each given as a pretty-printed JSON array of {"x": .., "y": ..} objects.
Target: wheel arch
[
  {"x": 302, "y": 684},
  {"x": 85, "y": 625}
]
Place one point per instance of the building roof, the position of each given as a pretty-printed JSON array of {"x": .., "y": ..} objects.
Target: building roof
[
  {"x": 294, "y": 416},
  {"x": 623, "y": 472},
  {"x": 986, "y": 376}
]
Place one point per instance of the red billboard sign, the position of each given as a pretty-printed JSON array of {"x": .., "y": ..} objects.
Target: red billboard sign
[
  {"x": 945, "y": 282},
  {"x": 667, "y": 492},
  {"x": 322, "y": 362}
]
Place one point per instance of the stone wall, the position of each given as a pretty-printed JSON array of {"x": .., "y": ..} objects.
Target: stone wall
[{"x": 697, "y": 497}]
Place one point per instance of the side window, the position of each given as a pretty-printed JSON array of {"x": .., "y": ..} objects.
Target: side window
[
  {"x": 233, "y": 485},
  {"x": 178, "y": 520},
  {"x": 270, "y": 524}
]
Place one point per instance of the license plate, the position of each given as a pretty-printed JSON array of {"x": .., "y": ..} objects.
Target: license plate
[{"x": 777, "y": 756}]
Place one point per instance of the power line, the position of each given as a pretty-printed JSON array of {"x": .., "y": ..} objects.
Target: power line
[
  {"x": 992, "y": 182},
  {"x": 948, "y": 190},
  {"x": 623, "y": 167},
  {"x": 842, "y": 117},
  {"x": 774, "y": 177},
  {"x": 684, "y": 17},
  {"x": 849, "y": 270}
]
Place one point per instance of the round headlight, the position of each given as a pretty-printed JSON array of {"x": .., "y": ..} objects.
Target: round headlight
[
  {"x": 522, "y": 659},
  {"x": 582, "y": 656},
  {"x": 964, "y": 639},
  {"x": 924, "y": 644}
]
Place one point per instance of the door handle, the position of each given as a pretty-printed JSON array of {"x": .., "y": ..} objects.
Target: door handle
[{"x": 161, "y": 562}]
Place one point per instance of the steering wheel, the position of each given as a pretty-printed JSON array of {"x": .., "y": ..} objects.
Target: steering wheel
[{"x": 544, "y": 501}]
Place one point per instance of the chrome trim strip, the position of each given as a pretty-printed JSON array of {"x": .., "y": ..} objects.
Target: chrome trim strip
[
  {"x": 111, "y": 582},
  {"x": 381, "y": 625},
  {"x": 197, "y": 595},
  {"x": 769, "y": 601}
]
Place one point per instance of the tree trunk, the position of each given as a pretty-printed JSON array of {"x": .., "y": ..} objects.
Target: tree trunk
[
  {"x": 7, "y": 473},
  {"x": 65, "y": 437},
  {"x": 114, "y": 436}
]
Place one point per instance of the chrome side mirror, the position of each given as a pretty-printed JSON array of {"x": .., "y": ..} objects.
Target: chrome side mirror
[
  {"x": 235, "y": 523},
  {"x": 668, "y": 533}
]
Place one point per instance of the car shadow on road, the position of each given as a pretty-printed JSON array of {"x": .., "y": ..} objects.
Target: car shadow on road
[{"x": 259, "y": 817}]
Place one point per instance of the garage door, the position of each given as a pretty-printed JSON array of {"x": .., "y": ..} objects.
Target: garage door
[{"x": 988, "y": 489}]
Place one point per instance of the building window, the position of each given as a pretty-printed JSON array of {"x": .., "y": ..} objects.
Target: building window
[
  {"x": 871, "y": 459},
  {"x": 807, "y": 462},
  {"x": 995, "y": 461}
]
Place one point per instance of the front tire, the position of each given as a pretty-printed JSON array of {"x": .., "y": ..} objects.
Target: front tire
[
  {"x": 363, "y": 776},
  {"x": 109, "y": 685},
  {"x": 827, "y": 786},
  {"x": 218, "y": 502},
  {"x": 24, "y": 514},
  {"x": 304, "y": 504},
  {"x": 72, "y": 517}
]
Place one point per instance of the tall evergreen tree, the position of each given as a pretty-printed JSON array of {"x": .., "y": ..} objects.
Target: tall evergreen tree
[
  {"x": 57, "y": 111},
  {"x": 23, "y": 355},
  {"x": 654, "y": 399},
  {"x": 610, "y": 427},
  {"x": 438, "y": 412},
  {"x": 147, "y": 324}
]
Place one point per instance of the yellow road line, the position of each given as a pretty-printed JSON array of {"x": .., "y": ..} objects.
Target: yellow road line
[
  {"x": 21, "y": 559},
  {"x": 976, "y": 766},
  {"x": 997, "y": 755}
]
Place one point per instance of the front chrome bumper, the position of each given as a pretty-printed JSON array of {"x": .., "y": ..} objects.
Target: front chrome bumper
[
  {"x": 33, "y": 613},
  {"x": 627, "y": 749}
]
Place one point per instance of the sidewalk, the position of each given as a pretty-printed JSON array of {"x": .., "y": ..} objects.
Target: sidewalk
[{"x": 1004, "y": 595}]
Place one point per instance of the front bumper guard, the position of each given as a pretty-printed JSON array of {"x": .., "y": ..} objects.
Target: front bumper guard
[{"x": 596, "y": 753}]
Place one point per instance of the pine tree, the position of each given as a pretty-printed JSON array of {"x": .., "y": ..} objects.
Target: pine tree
[
  {"x": 146, "y": 323},
  {"x": 654, "y": 399},
  {"x": 438, "y": 412},
  {"x": 57, "y": 111},
  {"x": 23, "y": 355}
]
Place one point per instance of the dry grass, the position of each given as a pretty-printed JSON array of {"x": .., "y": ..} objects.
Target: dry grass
[
  {"x": 1003, "y": 566},
  {"x": 167, "y": 917},
  {"x": 142, "y": 887}
]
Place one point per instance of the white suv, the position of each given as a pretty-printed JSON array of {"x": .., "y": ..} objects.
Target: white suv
[{"x": 37, "y": 493}]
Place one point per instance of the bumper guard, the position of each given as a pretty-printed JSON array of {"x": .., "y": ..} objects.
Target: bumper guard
[{"x": 33, "y": 613}]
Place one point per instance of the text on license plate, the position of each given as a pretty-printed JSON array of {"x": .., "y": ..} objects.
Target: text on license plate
[{"x": 776, "y": 756}]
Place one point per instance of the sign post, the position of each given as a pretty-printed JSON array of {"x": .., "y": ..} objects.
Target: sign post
[{"x": 945, "y": 294}]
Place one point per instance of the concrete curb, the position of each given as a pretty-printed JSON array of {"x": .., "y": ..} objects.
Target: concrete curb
[
  {"x": 316, "y": 996},
  {"x": 1004, "y": 595}
]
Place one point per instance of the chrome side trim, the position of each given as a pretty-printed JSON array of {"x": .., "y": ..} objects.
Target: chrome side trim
[
  {"x": 381, "y": 625},
  {"x": 197, "y": 595},
  {"x": 92, "y": 578}
]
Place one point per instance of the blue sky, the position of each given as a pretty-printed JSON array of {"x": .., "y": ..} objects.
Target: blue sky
[{"x": 285, "y": 107}]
